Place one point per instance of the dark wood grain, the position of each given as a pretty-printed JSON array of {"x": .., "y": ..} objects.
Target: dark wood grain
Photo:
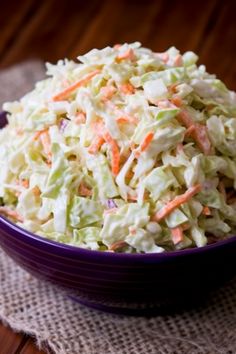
[
  {"x": 54, "y": 29},
  {"x": 10, "y": 342},
  {"x": 30, "y": 348},
  {"x": 12, "y": 20},
  {"x": 219, "y": 49}
]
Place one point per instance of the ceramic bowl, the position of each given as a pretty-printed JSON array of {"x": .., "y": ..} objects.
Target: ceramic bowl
[{"x": 119, "y": 282}]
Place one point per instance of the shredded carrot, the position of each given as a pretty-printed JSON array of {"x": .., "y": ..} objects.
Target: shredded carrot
[
  {"x": 172, "y": 88},
  {"x": 199, "y": 133},
  {"x": 127, "y": 89},
  {"x": 11, "y": 213},
  {"x": 163, "y": 56},
  {"x": 66, "y": 92},
  {"x": 115, "y": 159},
  {"x": 127, "y": 119},
  {"x": 177, "y": 101},
  {"x": 177, "y": 234},
  {"x": 46, "y": 142},
  {"x": 206, "y": 210},
  {"x": 38, "y": 134},
  {"x": 128, "y": 54},
  {"x": 23, "y": 182},
  {"x": 189, "y": 131},
  {"x": 98, "y": 126},
  {"x": 101, "y": 132},
  {"x": 179, "y": 148},
  {"x": 147, "y": 141},
  {"x": 132, "y": 197},
  {"x": 96, "y": 145},
  {"x": 107, "y": 92},
  {"x": 164, "y": 104},
  {"x": 185, "y": 119},
  {"x": 144, "y": 144},
  {"x": 176, "y": 202},
  {"x": 84, "y": 190},
  {"x": 117, "y": 46},
  {"x": 178, "y": 61},
  {"x": 117, "y": 245},
  {"x": 80, "y": 118},
  {"x": 122, "y": 117}
]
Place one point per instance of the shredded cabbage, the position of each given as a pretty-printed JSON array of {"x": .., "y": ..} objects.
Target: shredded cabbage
[{"x": 125, "y": 150}]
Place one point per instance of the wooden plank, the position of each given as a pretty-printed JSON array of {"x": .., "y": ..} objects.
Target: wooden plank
[
  {"x": 116, "y": 22},
  {"x": 30, "y": 348},
  {"x": 179, "y": 24},
  {"x": 51, "y": 31},
  {"x": 11, "y": 20},
  {"x": 219, "y": 49},
  {"x": 158, "y": 24},
  {"x": 9, "y": 341}
]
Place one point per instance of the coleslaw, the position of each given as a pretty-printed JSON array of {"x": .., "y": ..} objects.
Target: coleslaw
[{"x": 126, "y": 150}]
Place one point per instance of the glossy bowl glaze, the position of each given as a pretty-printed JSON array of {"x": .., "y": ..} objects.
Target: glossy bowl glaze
[{"x": 118, "y": 282}]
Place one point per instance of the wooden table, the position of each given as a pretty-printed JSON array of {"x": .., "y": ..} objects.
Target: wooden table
[{"x": 55, "y": 29}]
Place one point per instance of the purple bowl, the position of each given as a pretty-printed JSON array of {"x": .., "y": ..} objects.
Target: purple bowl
[{"x": 118, "y": 282}]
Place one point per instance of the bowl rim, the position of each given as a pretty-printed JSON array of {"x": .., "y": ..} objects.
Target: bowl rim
[{"x": 119, "y": 255}]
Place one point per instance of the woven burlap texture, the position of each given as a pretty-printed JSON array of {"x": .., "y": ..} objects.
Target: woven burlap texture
[{"x": 35, "y": 307}]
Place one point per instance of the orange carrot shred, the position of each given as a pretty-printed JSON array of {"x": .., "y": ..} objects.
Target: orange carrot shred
[
  {"x": 11, "y": 213},
  {"x": 127, "y": 119},
  {"x": 80, "y": 118},
  {"x": 38, "y": 134},
  {"x": 117, "y": 245},
  {"x": 163, "y": 56},
  {"x": 23, "y": 182},
  {"x": 132, "y": 197},
  {"x": 206, "y": 210},
  {"x": 107, "y": 92},
  {"x": 66, "y": 92},
  {"x": 46, "y": 142},
  {"x": 177, "y": 234},
  {"x": 176, "y": 202},
  {"x": 199, "y": 133},
  {"x": 127, "y": 89},
  {"x": 117, "y": 46},
  {"x": 144, "y": 144},
  {"x": 84, "y": 190},
  {"x": 128, "y": 54},
  {"x": 115, "y": 160},
  {"x": 189, "y": 131},
  {"x": 177, "y": 101},
  {"x": 96, "y": 144},
  {"x": 179, "y": 148},
  {"x": 178, "y": 61},
  {"x": 147, "y": 141}
]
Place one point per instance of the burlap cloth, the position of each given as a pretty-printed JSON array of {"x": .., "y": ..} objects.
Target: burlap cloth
[{"x": 32, "y": 306}]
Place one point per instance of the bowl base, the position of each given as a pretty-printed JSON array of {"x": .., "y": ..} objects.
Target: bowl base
[{"x": 132, "y": 309}]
